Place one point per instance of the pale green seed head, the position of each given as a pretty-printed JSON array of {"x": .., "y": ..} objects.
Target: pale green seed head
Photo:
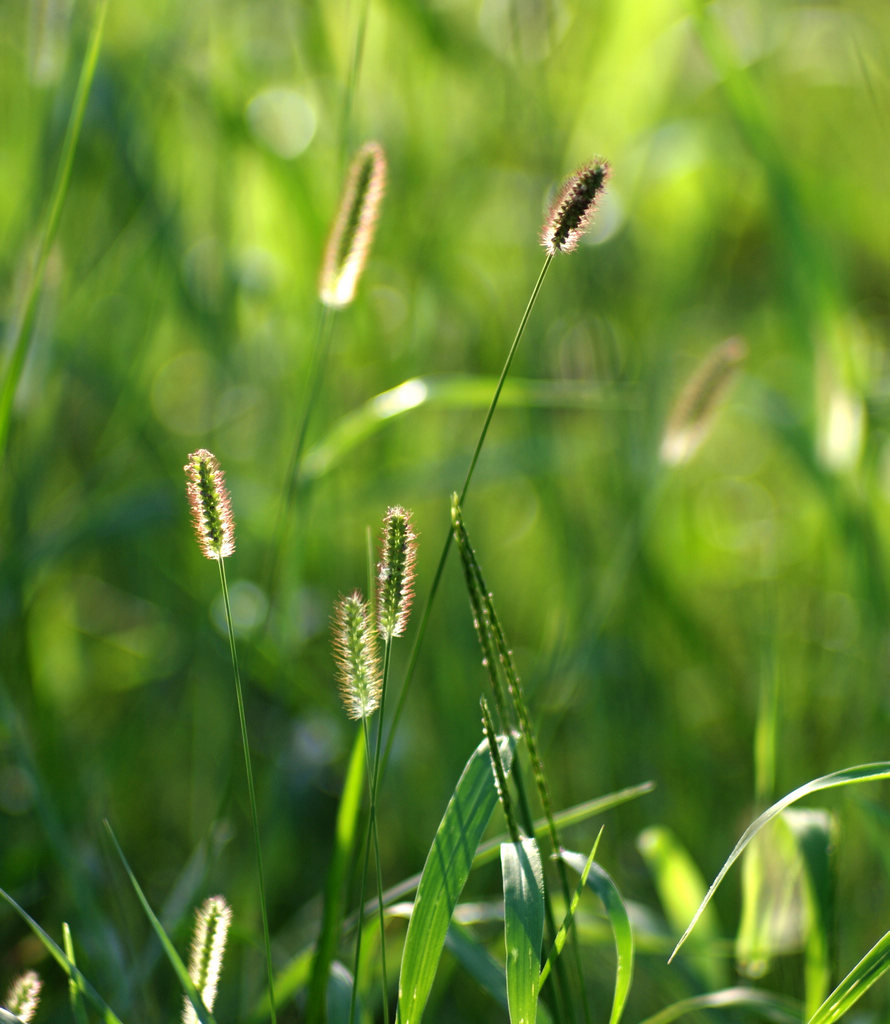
[
  {"x": 395, "y": 572},
  {"x": 212, "y": 920},
  {"x": 23, "y": 996},
  {"x": 354, "y": 641},
  {"x": 210, "y": 505}
]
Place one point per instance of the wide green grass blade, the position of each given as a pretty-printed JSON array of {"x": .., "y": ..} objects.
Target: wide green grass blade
[
  {"x": 874, "y": 772},
  {"x": 523, "y": 878},
  {"x": 601, "y": 883},
  {"x": 169, "y": 949},
  {"x": 75, "y": 988},
  {"x": 444, "y": 876},
  {"x": 870, "y": 969},
  {"x": 347, "y": 824},
  {"x": 770, "y": 1007},
  {"x": 65, "y": 962},
  {"x": 21, "y": 332}
]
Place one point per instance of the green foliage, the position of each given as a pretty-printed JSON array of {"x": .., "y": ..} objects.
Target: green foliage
[{"x": 718, "y": 625}]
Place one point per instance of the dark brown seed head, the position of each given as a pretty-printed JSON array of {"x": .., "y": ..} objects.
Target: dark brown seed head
[{"x": 573, "y": 209}]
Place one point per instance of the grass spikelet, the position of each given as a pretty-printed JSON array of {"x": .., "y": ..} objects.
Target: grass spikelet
[
  {"x": 23, "y": 996},
  {"x": 355, "y": 652},
  {"x": 212, "y": 921},
  {"x": 210, "y": 504},
  {"x": 353, "y": 231},
  {"x": 694, "y": 410},
  {"x": 572, "y": 211},
  {"x": 395, "y": 573}
]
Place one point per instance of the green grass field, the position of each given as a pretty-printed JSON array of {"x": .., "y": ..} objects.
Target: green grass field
[{"x": 717, "y": 625}]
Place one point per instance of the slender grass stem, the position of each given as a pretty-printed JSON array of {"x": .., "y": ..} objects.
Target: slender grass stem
[
  {"x": 352, "y": 81},
  {"x": 443, "y": 558},
  {"x": 239, "y": 695}
]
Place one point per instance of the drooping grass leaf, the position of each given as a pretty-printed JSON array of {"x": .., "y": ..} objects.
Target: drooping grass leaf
[
  {"x": 67, "y": 965},
  {"x": 873, "y": 966},
  {"x": 169, "y": 949},
  {"x": 444, "y": 875},
  {"x": 681, "y": 888},
  {"x": 523, "y": 878},
  {"x": 873, "y": 772},
  {"x": 786, "y": 898},
  {"x": 601, "y": 883},
  {"x": 777, "y": 1009}
]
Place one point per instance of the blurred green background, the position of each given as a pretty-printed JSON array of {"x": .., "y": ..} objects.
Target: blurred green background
[{"x": 648, "y": 606}]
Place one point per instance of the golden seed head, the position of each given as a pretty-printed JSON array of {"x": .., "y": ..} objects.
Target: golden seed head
[
  {"x": 350, "y": 239},
  {"x": 23, "y": 996},
  {"x": 572, "y": 211},
  {"x": 355, "y": 653},
  {"x": 212, "y": 920},
  {"x": 395, "y": 572},
  {"x": 210, "y": 504},
  {"x": 697, "y": 404}
]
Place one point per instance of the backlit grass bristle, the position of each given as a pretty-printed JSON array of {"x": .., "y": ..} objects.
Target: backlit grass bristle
[
  {"x": 23, "y": 996},
  {"x": 697, "y": 404},
  {"x": 395, "y": 572},
  {"x": 572, "y": 211},
  {"x": 210, "y": 505},
  {"x": 355, "y": 653},
  {"x": 212, "y": 921},
  {"x": 353, "y": 231}
]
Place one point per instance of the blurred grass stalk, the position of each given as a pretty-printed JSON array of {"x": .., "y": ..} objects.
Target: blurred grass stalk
[{"x": 24, "y": 322}]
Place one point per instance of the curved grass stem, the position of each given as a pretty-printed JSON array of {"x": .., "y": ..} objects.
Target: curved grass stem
[{"x": 443, "y": 558}]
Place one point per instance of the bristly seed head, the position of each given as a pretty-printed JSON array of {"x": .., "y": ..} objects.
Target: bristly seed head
[
  {"x": 573, "y": 209},
  {"x": 212, "y": 921},
  {"x": 355, "y": 652},
  {"x": 395, "y": 572},
  {"x": 699, "y": 401},
  {"x": 350, "y": 239},
  {"x": 23, "y": 996},
  {"x": 210, "y": 504}
]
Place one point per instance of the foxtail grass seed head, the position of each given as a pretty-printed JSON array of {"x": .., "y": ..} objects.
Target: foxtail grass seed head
[
  {"x": 699, "y": 401},
  {"x": 23, "y": 996},
  {"x": 350, "y": 239},
  {"x": 355, "y": 653},
  {"x": 212, "y": 921},
  {"x": 395, "y": 572},
  {"x": 210, "y": 504},
  {"x": 572, "y": 211}
]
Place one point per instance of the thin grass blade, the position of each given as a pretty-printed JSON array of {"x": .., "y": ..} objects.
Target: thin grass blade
[
  {"x": 874, "y": 772},
  {"x": 21, "y": 333},
  {"x": 444, "y": 876},
  {"x": 601, "y": 883},
  {"x": 561, "y": 936},
  {"x": 67, "y": 965},
  {"x": 75, "y": 988},
  {"x": 169, "y": 949},
  {"x": 873, "y": 966},
  {"x": 523, "y": 926}
]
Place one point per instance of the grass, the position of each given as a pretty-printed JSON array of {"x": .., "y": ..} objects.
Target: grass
[{"x": 717, "y": 626}]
